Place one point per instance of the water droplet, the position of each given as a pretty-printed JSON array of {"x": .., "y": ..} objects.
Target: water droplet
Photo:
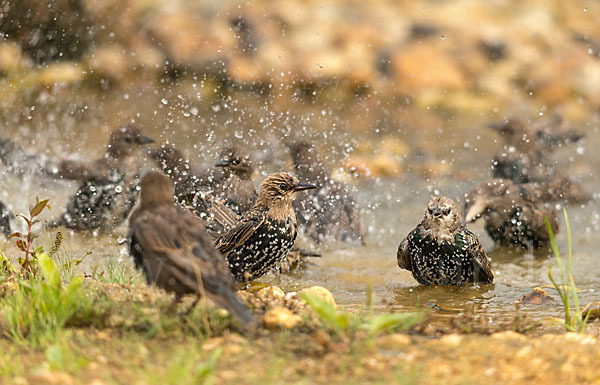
[
  {"x": 585, "y": 9},
  {"x": 216, "y": 108},
  {"x": 442, "y": 37}
]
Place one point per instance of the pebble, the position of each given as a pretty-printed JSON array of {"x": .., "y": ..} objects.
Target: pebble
[{"x": 280, "y": 318}]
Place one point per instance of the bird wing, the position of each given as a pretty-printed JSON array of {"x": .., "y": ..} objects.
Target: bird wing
[
  {"x": 244, "y": 228},
  {"x": 480, "y": 258},
  {"x": 403, "y": 255},
  {"x": 223, "y": 214},
  {"x": 176, "y": 239}
]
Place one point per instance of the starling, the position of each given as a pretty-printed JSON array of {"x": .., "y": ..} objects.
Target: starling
[
  {"x": 524, "y": 157},
  {"x": 237, "y": 188},
  {"x": 264, "y": 235},
  {"x": 171, "y": 247},
  {"x": 514, "y": 214},
  {"x": 329, "y": 212},
  {"x": 109, "y": 187},
  {"x": 440, "y": 251},
  {"x": 5, "y": 217},
  {"x": 18, "y": 160},
  {"x": 188, "y": 179}
]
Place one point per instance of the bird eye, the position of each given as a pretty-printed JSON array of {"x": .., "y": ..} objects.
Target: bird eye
[
  {"x": 235, "y": 162},
  {"x": 446, "y": 211},
  {"x": 283, "y": 186},
  {"x": 430, "y": 210}
]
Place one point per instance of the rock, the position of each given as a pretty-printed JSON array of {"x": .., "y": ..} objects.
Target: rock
[
  {"x": 508, "y": 335},
  {"x": 11, "y": 57},
  {"x": 109, "y": 61},
  {"x": 271, "y": 292},
  {"x": 319, "y": 292},
  {"x": 591, "y": 310},
  {"x": 393, "y": 341},
  {"x": 537, "y": 297},
  {"x": 451, "y": 340},
  {"x": 51, "y": 377},
  {"x": 280, "y": 318},
  {"x": 65, "y": 72},
  {"x": 421, "y": 67}
]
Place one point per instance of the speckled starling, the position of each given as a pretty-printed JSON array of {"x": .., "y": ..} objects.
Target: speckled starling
[
  {"x": 188, "y": 180},
  {"x": 110, "y": 187},
  {"x": 514, "y": 214},
  {"x": 170, "y": 246},
  {"x": 329, "y": 212},
  {"x": 525, "y": 154},
  {"x": 264, "y": 235},
  {"x": 440, "y": 251},
  {"x": 5, "y": 218},
  {"x": 237, "y": 189}
]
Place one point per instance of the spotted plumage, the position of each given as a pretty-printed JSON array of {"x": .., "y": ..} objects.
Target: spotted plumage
[
  {"x": 514, "y": 214},
  {"x": 109, "y": 190},
  {"x": 330, "y": 211},
  {"x": 188, "y": 179},
  {"x": 171, "y": 247},
  {"x": 440, "y": 251},
  {"x": 525, "y": 154},
  {"x": 264, "y": 235}
]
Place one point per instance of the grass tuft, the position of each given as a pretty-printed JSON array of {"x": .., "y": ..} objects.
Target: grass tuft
[{"x": 574, "y": 321}]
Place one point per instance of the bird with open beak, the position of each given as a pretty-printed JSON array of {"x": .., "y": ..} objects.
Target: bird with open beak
[
  {"x": 440, "y": 251},
  {"x": 264, "y": 235}
]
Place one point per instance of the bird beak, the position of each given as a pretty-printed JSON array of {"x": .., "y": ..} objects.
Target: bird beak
[
  {"x": 304, "y": 186},
  {"x": 498, "y": 126},
  {"x": 437, "y": 213},
  {"x": 222, "y": 163},
  {"x": 474, "y": 212},
  {"x": 144, "y": 140}
]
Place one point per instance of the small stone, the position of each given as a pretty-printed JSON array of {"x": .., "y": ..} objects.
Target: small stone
[
  {"x": 394, "y": 341},
  {"x": 319, "y": 292},
  {"x": 51, "y": 377},
  {"x": 508, "y": 335},
  {"x": 271, "y": 292},
  {"x": 280, "y": 318},
  {"x": 451, "y": 340},
  {"x": 537, "y": 297}
]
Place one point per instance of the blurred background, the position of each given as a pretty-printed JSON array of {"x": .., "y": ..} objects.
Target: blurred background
[{"x": 395, "y": 94}]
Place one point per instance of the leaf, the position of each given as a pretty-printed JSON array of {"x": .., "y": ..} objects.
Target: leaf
[
  {"x": 392, "y": 321},
  {"x": 37, "y": 209},
  {"x": 17, "y": 234},
  {"x": 21, "y": 245},
  {"x": 49, "y": 270},
  {"x": 327, "y": 312}
]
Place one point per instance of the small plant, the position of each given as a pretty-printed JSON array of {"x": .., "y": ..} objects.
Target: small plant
[
  {"x": 574, "y": 321},
  {"x": 40, "y": 307},
  {"x": 345, "y": 322},
  {"x": 24, "y": 242}
]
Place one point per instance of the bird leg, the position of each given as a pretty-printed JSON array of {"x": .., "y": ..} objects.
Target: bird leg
[
  {"x": 192, "y": 306},
  {"x": 173, "y": 304}
]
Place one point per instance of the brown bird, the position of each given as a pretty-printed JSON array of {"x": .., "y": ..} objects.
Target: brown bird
[
  {"x": 525, "y": 154},
  {"x": 440, "y": 251},
  {"x": 264, "y": 235},
  {"x": 109, "y": 186},
  {"x": 514, "y": 214},
  {"x": 171, "y": 247},
  {"x": 237, "y": 188},
  {"x": 330, "y": 211},
  {"x": 188, "y": 180}
]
